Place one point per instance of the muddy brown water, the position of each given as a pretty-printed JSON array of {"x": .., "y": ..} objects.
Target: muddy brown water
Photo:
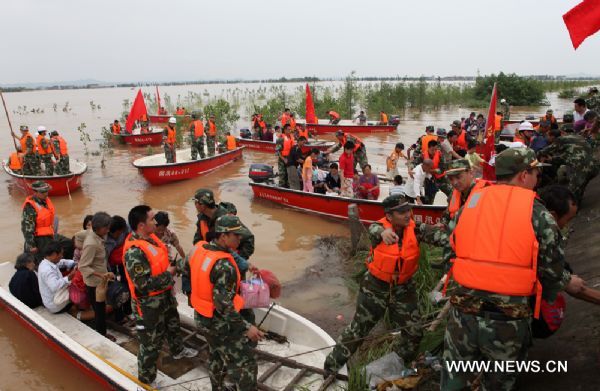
[{"x": 285, "y": 239}]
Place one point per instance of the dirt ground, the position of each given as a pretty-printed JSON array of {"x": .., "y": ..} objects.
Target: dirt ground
[{"x": 578, "y": 339}]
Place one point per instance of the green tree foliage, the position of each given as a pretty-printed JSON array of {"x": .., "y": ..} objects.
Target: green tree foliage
[
  {"x": 517, "y": 90},
  {"x": 225, "y": 114}
]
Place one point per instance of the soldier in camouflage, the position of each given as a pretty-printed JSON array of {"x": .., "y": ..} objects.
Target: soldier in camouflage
[
  {"x": 281, "y": 168},
  {"x": 593, "y": 101},
  {"x": 228, "y": 334},
  {"x": 197, "y": 143},
  {"x": 31, "y": 163},
  {"x": 153, "y": 303},
  {"x": 35, "y": 242},
  {"x": 376, "y": 296},
  {"x": 485, "y": 325},
  {"x": 505, "y": 109},
  {"x": 360, "y": 154},
  {"x": 45, "y": 151},
  {"x": 461, "y": 178},
  {"x": 211, "y": 135},
  {"x": 62, "y": 160}
]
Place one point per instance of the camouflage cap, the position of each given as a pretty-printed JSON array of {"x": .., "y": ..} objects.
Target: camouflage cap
[
  {"x": 228, "y": 224},
  {"x": 455, "y": 167},
  {"x": 204, "y": 196},
  {"x": 567, "y": 127},
  {"x": 568, "y": 117},
  {"x": 396, "y": 202},
  {"x": 429, "y": 128},
  {"x": 441, "y": 132},
  {"x": 23, "y": 128},
  {"x": 514, "y": 160},
  {"x": 455, "y": 123},
  {"x": 40, "y": 186}
]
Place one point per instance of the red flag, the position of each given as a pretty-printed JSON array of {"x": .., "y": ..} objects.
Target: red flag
[
  {"x": 489, "y": 172},
  {"x": 310, "y": 107},
  {"x": 582, "y": 21},
  {"x": 137, "y": 111},
  {"x": 157, "y": 101}
]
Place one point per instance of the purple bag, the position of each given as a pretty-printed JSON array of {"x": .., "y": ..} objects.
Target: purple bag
[{"x": 256, "y": 293}]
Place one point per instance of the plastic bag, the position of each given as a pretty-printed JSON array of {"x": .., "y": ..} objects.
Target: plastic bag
[
  {"x": 255, "y": 293},
  {"x": 386, "y": 368},
  {"x": 272, "y": 281},
  {"x": 78, "y": 292}
]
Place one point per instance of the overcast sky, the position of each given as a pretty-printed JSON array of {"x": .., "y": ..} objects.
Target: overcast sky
[{"x": 135, "y": 40}]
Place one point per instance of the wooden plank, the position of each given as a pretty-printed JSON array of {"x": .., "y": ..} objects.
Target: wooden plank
[
  {"x": 269, "y": 372},
  {"x": 294, "y": 364},
  {"x": 263, "y": 387},
  {"x": 291, "y": 385},
  {"x": 327, "y": 383}
]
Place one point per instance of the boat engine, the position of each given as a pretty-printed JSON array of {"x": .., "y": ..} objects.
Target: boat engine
[
  {"x": 245, "y": 133},
  {"x": 261, "y": 173}
]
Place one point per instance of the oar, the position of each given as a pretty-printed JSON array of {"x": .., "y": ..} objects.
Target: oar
[{"x": 12, "y": 133}]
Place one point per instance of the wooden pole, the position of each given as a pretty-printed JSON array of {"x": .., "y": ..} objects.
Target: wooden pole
[{"x": 12, "y": 133}]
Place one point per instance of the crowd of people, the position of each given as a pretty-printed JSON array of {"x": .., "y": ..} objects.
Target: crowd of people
[{"x": 31, "y": 153}]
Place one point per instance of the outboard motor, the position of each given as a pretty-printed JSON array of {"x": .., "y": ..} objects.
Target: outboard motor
[
  {"x": 261, "y": 173},
  {"x": 394, "y": 120},
  {"x": 245, "y": 133}
]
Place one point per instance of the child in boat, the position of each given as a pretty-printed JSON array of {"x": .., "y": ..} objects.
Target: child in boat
[{"x": 398, "y": 187}]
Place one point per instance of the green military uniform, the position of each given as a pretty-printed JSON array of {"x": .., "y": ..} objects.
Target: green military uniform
[
  {"x": 31, "y": 163},
  {"x": 376, "y": 296},
  {"x": 28, "y": 223},
  {"x": 505, "y": 110},
  {"x": 593, "y": 102},
  {"x": 572, "y": 158},
  {"x": 169, "y": 151},
  {"x": 156, "y": 316},
  {"x": 62, "y": 163},
  {"x": 196, "y": 143},
  {"x": 46, "y": 158},
  {"x": 281, "y": 168},
  {"x": 484, "y": 325},
  {"x": 230, "y": 351},
  {"x": 455, "y": 168},
  {"x": 360, "y": 155},
  {"x": 210, "y": 140}
]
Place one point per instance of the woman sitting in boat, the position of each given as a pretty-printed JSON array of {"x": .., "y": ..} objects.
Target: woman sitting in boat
[
  {"x": 24, "y": 283},
  {"x": 333, "y": 181},
  {"x": 368, "y": 185}
]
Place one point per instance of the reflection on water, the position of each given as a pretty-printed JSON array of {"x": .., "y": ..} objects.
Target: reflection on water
[{"x": 284, "y": 238}]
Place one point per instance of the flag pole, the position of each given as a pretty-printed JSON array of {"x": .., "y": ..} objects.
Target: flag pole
[{"x": 8, "y": 119}]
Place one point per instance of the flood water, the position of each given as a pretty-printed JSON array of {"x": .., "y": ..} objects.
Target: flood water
[{"x": 285, "y": 239}]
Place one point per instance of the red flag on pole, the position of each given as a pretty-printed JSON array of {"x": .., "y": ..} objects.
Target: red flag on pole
[
  {"x": 489, "y": 172},
  {"x": 137, "y": 111},
  {"x": 310, "y": 107},
  {"x": 582, "y": 21},
  {"x": 157, "y": 101}
]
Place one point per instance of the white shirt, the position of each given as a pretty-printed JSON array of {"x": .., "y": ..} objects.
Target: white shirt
[
  {"x": 415, "y": 187},
  {"x": 577, "y": 116},
  {"x": 51, "y": 281},
  {"x": 394, "y": 190}
]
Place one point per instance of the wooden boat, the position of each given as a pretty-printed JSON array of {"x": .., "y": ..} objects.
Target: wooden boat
[
  {"x": 141, "y": 140},
  {"x": 163, "y": 119},
  {"x": 269, "y": 146},
  {"x": 113, "y": 365},
  {"x": 158, "y": 172},
  {"x": 336, "y": 206},
  {"x": 61, "y": 184},
  {"x": 326, "y": 128}
]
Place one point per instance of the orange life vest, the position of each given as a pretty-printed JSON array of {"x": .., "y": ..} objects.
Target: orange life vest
[
  {"x": 212, "y": 129},
  {"x": 44, "y": 218},
  {"x": 455, "y": 203},
  {"x": 262, "y": 124},
  {"x": 392, "y": 264},
  {"x": 171, "y": 136},
  {"x": 357, "y": 142},
  {"x": 497, "y": 122},
  {"x": 462, "y": 140},
  {"x": 334, "y": 115},
  {"x": 437, "y": 156},
  {"x": 180, "y": 112},
  {"x": 285, "y": 118},
  {"x": 292, "y": 123},
  {"x": 288, "y": 143},
  {"x": 15, "y": 161},
  {"x": 303, "y": 133},
  {"x": 198, "y": 128},
  {"x": 62, "y": 147},
  {"x": 116, "y": 129},
  {"x": 231, "y": 143},
  {"x": 519, "y": 138},
  {"x": 157, "y": 257},
  {"x": 204, "y": 229},
  {"x": 24, "y": 142},
  {"x": 201, "y": 263},
  {"x": 507, "y": 263},
  {"x": 383, "y": 118},
  {"x": 41, "y": 150},
  {"x": 425, "y": 142}
]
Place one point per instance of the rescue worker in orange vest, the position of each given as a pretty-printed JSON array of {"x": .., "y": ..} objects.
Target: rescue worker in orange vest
[
  {"x": 500, "y": 286},
  {"x": 334, "y": 118},
  {"x": 215, "y": 297},
  {"x": 498, "y": 121},
  {"x": 301, "y": 131},
  {"x": 429, "y": 135},
  {"x": 388, "y": 285},
  {"x": 116, "y": 128},
  {"x": 283, "y": 147},
  {"x": 461, "y": 178},
  {"x": 383, "y": 118},
  {"x": 439, "y": 167},
  {"x": 230, "y": 140},
  {"x": 292, "y": 121},
  {"x": 169, "y": 140},
  {"x": 360, "y": 150},
  {"x": 462, "y": 140},
  {"x": 44, "y": 150},
  {"x": 15, "y": 161},
  {"x": 150, "y": 278},
  {"x": 31, "y": 163},
  {"x": 37, "y": 221},
  {"x": 285, "y": 117},
  {"x": 61, "y": 153},
  {"x": 211, "y": 137},
  {"x": 258, "y": 126},
  {"x": 550, "y": 117},
  {"x": 197, "y": 136}
]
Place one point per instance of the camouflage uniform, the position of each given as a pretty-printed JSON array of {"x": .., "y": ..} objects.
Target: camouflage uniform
[
  {"x": 197, "y": 144},
  {"x": 31, "y": 163},
  {"x": 28, "y": 219},
  {"x": 488, "y": 326},
  {"x": 62, "y": 163},
  {"x": 505, "y": 111},
  {"x": 156, "y": 316},
  {"x": 230, "y": 351},
  {"x": 169, "y": 152},
  {"x": 210, "y": 141},
  {"x": 572, "y": 158},
  {"x": 375, "y": 297},
  {"x": 281, "y": 168},
  {"x": 360, "y": 155},
  {"x": 47, "y": 158},
  {"x": 593, "y": 102}
]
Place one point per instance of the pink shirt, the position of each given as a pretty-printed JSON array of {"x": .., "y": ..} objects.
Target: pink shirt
[{"x": 346, "y": 164}]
